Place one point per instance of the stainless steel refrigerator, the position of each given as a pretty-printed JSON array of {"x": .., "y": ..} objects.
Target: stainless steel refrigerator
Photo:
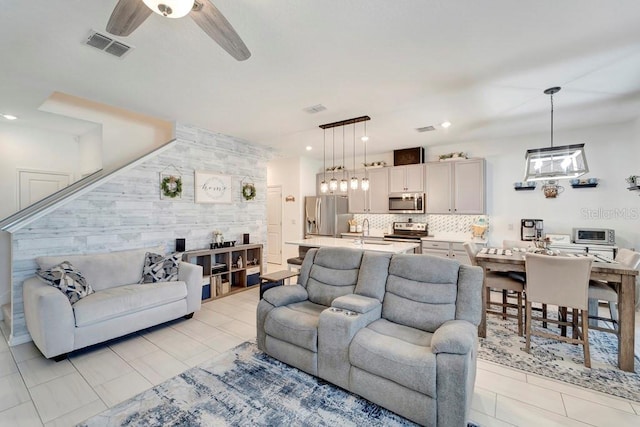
[{"x": 326, "y": 216}]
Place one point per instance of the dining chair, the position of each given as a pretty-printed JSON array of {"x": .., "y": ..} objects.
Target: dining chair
[
  {"x": 564, "y": 282},
  {"x": 600, "y": 290},
  {"x": 501, "y": 282},
  {"x": 518, "y": 275}
]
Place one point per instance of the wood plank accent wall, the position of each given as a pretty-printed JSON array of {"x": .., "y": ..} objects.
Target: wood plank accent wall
[{"x": 126, "y": 211}]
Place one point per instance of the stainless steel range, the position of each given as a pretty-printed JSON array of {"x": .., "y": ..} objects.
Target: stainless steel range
[{"x": 408, "y": 231}]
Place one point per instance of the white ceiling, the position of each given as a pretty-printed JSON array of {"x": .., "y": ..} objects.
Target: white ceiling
[{"x": 482, "y": 65}]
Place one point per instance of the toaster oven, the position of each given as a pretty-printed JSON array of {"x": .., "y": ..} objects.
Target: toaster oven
[{"x": 594, "y": 236}]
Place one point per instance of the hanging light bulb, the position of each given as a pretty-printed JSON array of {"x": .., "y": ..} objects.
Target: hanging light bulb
[
  {"x": 333, "y": 182},
  {"x": 324, "y": 187},
  {"x": 365, "y": 181},
  {"x": 344, "y": 185},
  {"x": 354, "y": 179}
]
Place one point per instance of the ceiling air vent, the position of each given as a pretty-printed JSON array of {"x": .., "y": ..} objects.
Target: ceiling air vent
[
  {"x": 107, "y": 44},
  {"x": 426, "y": 129},
  {"x": 314, "y": 109}
]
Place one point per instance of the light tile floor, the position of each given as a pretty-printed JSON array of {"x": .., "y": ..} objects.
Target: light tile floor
[{"x": 36, "y": 392}]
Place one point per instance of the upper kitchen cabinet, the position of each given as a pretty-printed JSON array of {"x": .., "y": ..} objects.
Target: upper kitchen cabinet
[
  {"x": 338, "y": 176},
  {"x": 406, "y": 179},
  {"x": 374, "y": 200},
  {"x": 456, "y": 187}
]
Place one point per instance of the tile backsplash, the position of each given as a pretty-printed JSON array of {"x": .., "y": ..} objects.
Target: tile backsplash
[{"x": 437, "y": 223}]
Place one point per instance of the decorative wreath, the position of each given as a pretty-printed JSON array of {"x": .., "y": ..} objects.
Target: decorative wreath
[
  {"x": 171, "y": 186},
  {"x": 248, "y": 191}
]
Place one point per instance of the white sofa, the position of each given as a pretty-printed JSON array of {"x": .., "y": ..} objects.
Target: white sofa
[{"x": 118, "y": 307}]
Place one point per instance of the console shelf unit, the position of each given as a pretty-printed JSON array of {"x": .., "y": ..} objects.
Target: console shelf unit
[{"x": 221, "y": 274}]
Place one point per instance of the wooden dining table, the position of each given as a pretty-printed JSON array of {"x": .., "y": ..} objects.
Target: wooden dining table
[{"x": 623, "y": 277}]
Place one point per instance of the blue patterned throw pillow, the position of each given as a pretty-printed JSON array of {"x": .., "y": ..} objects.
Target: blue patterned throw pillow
[
  {"x": 160, "y": 268},
  {"x": 68, "y": 279}
]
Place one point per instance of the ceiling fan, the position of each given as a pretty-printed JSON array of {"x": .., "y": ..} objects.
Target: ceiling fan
[{"x": 129, "y": 14}]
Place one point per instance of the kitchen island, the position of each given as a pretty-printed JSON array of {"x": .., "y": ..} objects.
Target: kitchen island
[{"x": 375, "y": 246}]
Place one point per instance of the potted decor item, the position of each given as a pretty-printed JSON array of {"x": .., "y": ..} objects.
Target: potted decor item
[{"x": 551, "y": 189}]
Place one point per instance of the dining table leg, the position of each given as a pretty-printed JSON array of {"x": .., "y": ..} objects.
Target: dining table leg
[
  {"x": 482, "y": 327},
  {"x": 626, "y": 315}
]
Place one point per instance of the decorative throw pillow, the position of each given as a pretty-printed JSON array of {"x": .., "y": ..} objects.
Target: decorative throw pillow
[
  {"x": 160, "y": 268},
  {"x": 68, "y": 279}
]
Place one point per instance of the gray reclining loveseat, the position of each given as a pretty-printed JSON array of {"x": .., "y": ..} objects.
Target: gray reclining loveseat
[{"x": 399, "y": 330}]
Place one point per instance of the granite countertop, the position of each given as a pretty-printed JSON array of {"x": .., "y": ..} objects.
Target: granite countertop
[
  {"x": 455, "y": 238},
  {"x": 389, "y": 247}
]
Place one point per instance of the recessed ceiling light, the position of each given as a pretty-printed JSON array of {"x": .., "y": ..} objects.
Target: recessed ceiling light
[
  {"x": 365, "y": 138},
  {"x": 9, "y": 117},
  {"x": 309, "y": 148},
  {"x": 445, "y": 124}
]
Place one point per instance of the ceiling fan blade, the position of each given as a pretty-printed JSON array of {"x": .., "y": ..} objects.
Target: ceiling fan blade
[
  {"x": 127, "y": 16},
  {"x": 212, "y": 22}
]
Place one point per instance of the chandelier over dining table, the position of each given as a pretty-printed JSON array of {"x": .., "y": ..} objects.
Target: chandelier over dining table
[{"x": 354, "y": 183}]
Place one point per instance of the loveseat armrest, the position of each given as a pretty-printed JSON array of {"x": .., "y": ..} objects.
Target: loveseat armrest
[
  {"x": 357, "y": 303},
  {"x": 336, "y": 328},
  {"x": 49, "y": 317},
  {"x": 454, "y": 337},
  {"x": 285, "y": 295},
  {"x": 191, "y": 274}
]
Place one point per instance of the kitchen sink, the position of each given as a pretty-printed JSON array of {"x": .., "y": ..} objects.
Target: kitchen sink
[{"x": 376, "y": 242}]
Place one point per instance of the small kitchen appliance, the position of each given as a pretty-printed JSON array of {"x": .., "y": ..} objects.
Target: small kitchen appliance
[
  {"x": 406, "y": 203},
  {"x": 594, "y": 236},
  {"x": 530, "y": 229}
]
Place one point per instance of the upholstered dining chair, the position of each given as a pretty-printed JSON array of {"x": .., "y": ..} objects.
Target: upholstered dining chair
[
  {"x": 504, "y": 283},
  {"x": 564, "y": 282},
  {"x": 600, "y": 290},
  {"x": 517, "y": 275}
]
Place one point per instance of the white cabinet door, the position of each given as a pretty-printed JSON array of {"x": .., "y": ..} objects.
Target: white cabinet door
[
  {"x": 414, "y": 178},
  {"x": 378, "y": 191},
  {"x": 357, "y": 197},
  {"x": 397, "y": 179},
  {"x": 439, "y": 187},
  {"x": 374, "y": 200},
  {"x": 469, "y": 186},
  {"x": 406, "y": 179},
  {"x": 455, "y": 187}
]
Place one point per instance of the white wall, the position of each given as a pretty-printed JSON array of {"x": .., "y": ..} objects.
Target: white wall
[
  {"x": 90, "y": 146},
  {"x": 612, "y": 154},
  {"x": 22, "y": 147},
  {"x": 297, "y": 177},
  {"x": 125, "y": 135}
]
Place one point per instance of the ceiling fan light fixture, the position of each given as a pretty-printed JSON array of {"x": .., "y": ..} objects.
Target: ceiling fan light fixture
[{"x": 170, "y": 8}]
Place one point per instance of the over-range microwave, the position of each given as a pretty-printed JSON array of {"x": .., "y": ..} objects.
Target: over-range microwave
[
  {"x": 596, "y": 236},
  {"x": 406, "y": 203}
]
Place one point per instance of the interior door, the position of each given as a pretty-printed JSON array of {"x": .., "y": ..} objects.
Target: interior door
[
  {"x": 36, "y": 185},
  {"x": 274, "y": 225}
]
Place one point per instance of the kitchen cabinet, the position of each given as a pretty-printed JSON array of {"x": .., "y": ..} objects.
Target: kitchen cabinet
[
  {"x": 451, "y": 250},
  {"x": 455, "y": 187},
  {"x": 406, "y": 179},
  {"x": 338, "y": 176},
  {"x": 374, "y": 200}
]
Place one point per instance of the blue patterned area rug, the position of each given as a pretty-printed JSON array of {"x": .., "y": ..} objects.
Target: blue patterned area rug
[
  {"x": 246, "y": 387},
  {"x": 561, "y": 361}
]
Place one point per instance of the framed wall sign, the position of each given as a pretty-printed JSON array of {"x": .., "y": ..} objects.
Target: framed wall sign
[{"x": 211, "y": 187}]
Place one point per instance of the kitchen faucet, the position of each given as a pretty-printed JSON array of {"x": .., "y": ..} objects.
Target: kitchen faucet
[{"x": 365, "y": 233}]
